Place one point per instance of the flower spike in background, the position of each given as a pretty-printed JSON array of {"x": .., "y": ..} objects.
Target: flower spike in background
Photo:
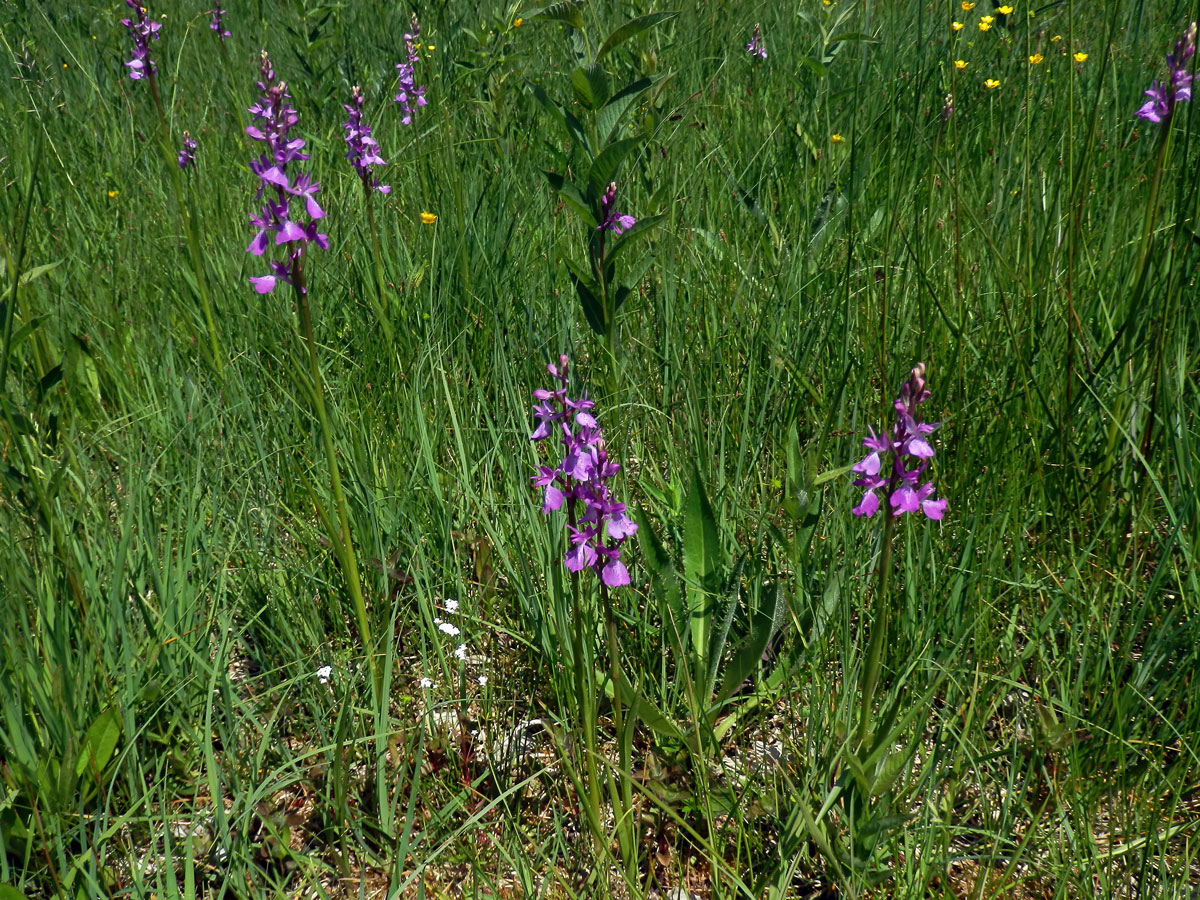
[
  {"x": 187, "y": 152},
  {"x": 362, "y": 149},
  {"x": 410, "y": 92},
  {"x": 141, "y": 31},
  {"x": 273, "y": 119},
  {"x": 755, "y": 47},
  {"x": 906, "y": 446},
  {"x": 1178, "y": 87}
]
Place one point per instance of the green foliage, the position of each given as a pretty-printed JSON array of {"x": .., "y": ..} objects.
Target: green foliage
[{"x": 169, "y": 580}]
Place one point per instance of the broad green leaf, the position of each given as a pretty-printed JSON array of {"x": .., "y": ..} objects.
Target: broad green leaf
[
  {"x": 605, "y": 165},
  {"x": 850, "y": 37},
  {"x": 38, "y": 271},
  {"x": 565, "y": 117},
  {"x": 720, "y": 634},
  {"x": 749, "y": 653},
  {"x": 608, "y": 117},
  {"x": 656, "y": 720},
  {"x": 880, "y": 825},
  {"x": 568, "y": 12},
  {"x": 99, "y": 743},
  {"x": 571, "y": 197},
  {"x": 815, "y": 66},
  {"x": 632, "y": 28},
  {"x": 641, "y": 229},
  {"x": 663, "y": 579},
  {"x": 589, "y": 296},
  {"x": 8, "y": 892},
  {"x": 701, "y": 555},
  {"x": 590, "y": 84}
]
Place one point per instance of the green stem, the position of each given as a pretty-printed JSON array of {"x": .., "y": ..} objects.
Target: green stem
[
  {"x": 879, "y": 628},
  {"x": 343, "y": 542},
  {"x": 623, "y": 795},
  {"x": 585, "y": 695},
  {"x": 381, "y": 304}
]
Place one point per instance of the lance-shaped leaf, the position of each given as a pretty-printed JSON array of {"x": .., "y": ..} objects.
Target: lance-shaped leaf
[
  {"x": 569, "y": 12},
  {"x": 632, "y": 28},
  {"x": 605, "y": 165},
  {"x": 701, "y": 564},
  {"x": 572, "y": 197},
  {"x": 746, "y": 658},
  {"x": 590, "y": 85},
  {"x": 589, "y": 296}
]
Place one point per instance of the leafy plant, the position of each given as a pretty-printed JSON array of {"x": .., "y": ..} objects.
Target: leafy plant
[{"x": 592, "y": 124}]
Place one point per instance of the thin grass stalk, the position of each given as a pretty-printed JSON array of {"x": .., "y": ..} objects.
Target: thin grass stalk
[
  {"x": 194, "y": 254},
  {"x": 380, "y": 302},
  {"x": 622, "y": 795},
  {"x": 343, "y": 541}
]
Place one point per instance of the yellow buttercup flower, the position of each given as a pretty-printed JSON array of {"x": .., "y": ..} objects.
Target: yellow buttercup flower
[
  {"x": 1035, "y": 59},
  {"x": 960, "y": 64},
  {"x": 827, "y": 2},
  {"x": 984, "y": 26},
  {"x": 430, "y": 47},
  {"x": 1004, "y": 10},
  {"x": 518, "y": 22},
  {"x": 988, "y": 19},
  {"x": 836, "y": 138},
  {"x": 967, "y": 5},
  {"x": 428, "y": 218},
  {"x": 1056, "y": 39},
  {"x": 991, "y": 84},
  {"x": 1080, "y": 57},
  {"x": 112, "y": 194},
  {"x": 956, "y": 26}
]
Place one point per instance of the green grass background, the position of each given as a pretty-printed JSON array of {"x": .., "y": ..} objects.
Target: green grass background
[{"x": 163, "y": 577}]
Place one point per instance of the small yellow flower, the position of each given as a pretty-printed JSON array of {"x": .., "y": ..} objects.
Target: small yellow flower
[
  {"x": 1080, "y": 56},
  {"x": 112, "y": 194},
  {"x": 430, "y": 47},
  {"x": 836, "y": 138},
  {"x": 827, "y": 2},
  {"x": 984, "y": 26},
  {"x": 1056, "y": 39},
  {"x": 1036, "y": 59},
  {"x": 960, "y": 64},
  {"x": 1004, "y": 10},
  {"x": 428, "y": 218},
  {"x": 988, "y": 19},
  {"x": 956, "y": 26},
  {"x": 968, "y": 5},
  {"x": 991, "y": 84}
]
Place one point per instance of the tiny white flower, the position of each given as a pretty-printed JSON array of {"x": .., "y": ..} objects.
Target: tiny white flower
[
  {"x": 482, "y": 680},
  {"x": 437, "y": 621},
  {"x": 447, "y": 628},
  {"x": 461, "y": 651},
  {"x": 451, "y": 605},
  {"x": 324, "y": 673},
  {"x": 426, "y": 683}
]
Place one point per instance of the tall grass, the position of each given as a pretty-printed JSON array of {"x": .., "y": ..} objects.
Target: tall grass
[{"x": 168, "y": 590}]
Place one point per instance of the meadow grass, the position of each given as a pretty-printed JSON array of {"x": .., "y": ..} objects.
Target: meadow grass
[{"x": 170, "y": 581}]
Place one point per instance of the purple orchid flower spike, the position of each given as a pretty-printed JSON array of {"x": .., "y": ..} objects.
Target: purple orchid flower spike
[
  {"x": 187, "y": 152},
  {"x": 217, "y": 25},
  {"x": 273, "y": 119},
  {"x": 142, "y": 30},
  {"x": 598, "y": 524},
  {"x": 362, "y": 149},
  {"x": 1178, "y": 86},
  {"x": 611, "y": 218},
  {"x": 755, "y": 47},
  {"x": 410, "y": 93},
  {"x": 909, "y": 452}
]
